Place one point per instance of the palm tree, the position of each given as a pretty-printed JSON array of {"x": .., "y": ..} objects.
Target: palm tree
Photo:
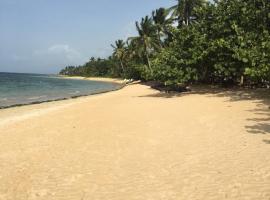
[
  {"x": 184, "y": 10},
  {"x": 119, "y": 52},
  {"x": 133, "y": 49},
  {"x": 147, "y": 38},
  {"x": 161, "y": 22},
  {"x": 92, "y": 59}
]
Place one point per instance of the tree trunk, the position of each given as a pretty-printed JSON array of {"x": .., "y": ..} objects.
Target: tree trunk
[
  {"x": 242, "y": 81},
  {"x": 148, "y": 61},
  {"x": 187, "y": 17},
  {"x": 180, "y": 22},
  {"x": 159, "y": 38},
  {"x": 122, "y": 66},
  {"x": 205, "y": 74}
]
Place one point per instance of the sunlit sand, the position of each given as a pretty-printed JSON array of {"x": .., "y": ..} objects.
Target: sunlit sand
[{"x": 137, "y": 143}]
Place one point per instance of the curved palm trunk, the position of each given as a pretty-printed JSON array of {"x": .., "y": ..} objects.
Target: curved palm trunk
[
  {"x": 122, "y": 66},
  {"x": 147, "y": 58},
  {"x": 187, "y": 19},
  {"x": 180, "y": 22},
  {"x": 188, "y": 15},
  {"x": 148, "y": 61}
]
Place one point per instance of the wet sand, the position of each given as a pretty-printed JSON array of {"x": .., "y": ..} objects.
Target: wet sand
[{"x": 137, "y": 143}]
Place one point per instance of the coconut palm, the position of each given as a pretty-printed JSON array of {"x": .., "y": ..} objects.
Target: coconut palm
[
  {"x": 161, "y": 21},
  {"x": 183, "y": 11},
  {"x": 119, "y": 52},
  {"x": 147, "y": 39},
  {"x": 133, "y": 50}
]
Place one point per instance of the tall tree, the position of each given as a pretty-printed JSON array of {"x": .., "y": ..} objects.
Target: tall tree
[
  {"x": 147, "y": 38},
  {"x": 183, "y": 11},
  {"x": 161, "y": 21},
  {"x": 119, "y": 52}
]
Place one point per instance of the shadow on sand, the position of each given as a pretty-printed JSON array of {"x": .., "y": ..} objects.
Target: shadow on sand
[
  {"x": 261, "y": 96},
  {"x": 262, "y": 123},
  {"x": 266, "y": 141}
]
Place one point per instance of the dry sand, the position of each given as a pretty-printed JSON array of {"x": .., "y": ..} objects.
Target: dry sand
[{"x": 137, "y": 143}]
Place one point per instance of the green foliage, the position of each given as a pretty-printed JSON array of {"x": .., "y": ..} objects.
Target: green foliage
[
  {"x": 221, "y": 42},
  {"x": 137, "y": 71},
  {"x": 120, "y": 53},
  {"x": 228, "y": 41},
  {"x": 95, "y": 68},
  {"x": 175, "y": 64},
  {"x": 162, "y": 24},
  {"x": 147, "y": 41},
  {"x": 185, "y": 11},
  {"x": 244, "y": 26}
]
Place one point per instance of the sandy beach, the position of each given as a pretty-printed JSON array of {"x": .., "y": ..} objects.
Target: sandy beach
[
  {"x": 112, "y": 80},
  {"x": 138, "y": 144}
]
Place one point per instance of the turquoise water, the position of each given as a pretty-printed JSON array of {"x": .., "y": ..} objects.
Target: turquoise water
[{"x": 20, "y": 89}]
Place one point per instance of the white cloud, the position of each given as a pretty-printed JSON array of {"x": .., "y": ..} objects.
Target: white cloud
[
  {"x": 62, "y": 52},
  {"x": 70, "y": 53}
]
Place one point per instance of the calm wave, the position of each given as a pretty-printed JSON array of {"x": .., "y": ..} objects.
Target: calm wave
[{"x": 20, "y": 89}]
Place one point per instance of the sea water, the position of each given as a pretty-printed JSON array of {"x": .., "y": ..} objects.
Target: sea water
[{"x": 21, "y": 89}]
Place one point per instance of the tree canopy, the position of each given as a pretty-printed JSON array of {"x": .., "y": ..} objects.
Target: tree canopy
[{"x": 223, "y": 42}]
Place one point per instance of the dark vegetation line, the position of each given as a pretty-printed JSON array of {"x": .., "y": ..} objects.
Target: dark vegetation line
[{"x": 226, "y": 42}]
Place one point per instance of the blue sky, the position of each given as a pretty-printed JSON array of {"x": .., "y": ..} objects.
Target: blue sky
[{"x": 43, "y": 36}]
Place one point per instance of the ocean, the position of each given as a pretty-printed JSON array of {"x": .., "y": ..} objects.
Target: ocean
[{"x": 21, "y": 89}]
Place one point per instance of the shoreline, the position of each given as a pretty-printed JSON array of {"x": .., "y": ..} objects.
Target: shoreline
[
  {"x": 102, "y": 79},
  {"x": 16, "y": 114},
  {"x": 119, "y": 82}
]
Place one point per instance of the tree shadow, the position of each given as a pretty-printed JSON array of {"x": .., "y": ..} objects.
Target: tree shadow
[
  {"x": 233, "y": 93},
  {"x": 266, "y": 141},
  {"x": 165, "y": 95},
  {"x": 260, "y": 95},
  {"x": 262, "y": 121},
  {"x": 262, "y": 98},
  {"x": 260, "y": 128}
]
